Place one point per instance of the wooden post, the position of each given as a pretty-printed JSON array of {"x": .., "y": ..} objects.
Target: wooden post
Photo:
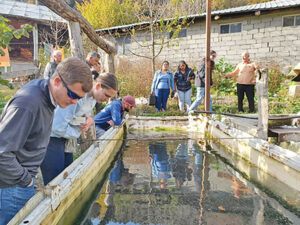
[
  {"x": 76, "y": 40},
  {"x": 109, "y": 58},
  {"x": 207, "y": 63},
  {"x": 35, "y": 45},
  {"x": 78, "y": 51},
  {"x": 263, "y": 106},
  {"x": 109, "y": 63}
]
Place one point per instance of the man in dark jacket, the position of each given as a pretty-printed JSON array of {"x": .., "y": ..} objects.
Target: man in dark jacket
[
  {"x": 200, "y": 82},
  {"x": 25, "y": 127}
]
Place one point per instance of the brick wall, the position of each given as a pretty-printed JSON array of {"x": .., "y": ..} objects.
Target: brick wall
[{"x": 264, "y": 37}]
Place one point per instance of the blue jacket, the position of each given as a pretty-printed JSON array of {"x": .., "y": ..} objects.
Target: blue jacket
[
  {"x": 157, "y": 77},
  {"x": 113, "y": 112}
]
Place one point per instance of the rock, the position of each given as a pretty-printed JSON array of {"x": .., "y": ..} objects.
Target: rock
[{"x": 141, "y": 101}]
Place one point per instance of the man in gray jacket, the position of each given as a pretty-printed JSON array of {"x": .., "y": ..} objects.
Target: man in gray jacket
[
  {"x": 51, "y": 66},
  {"x": 25, "y": 127}
]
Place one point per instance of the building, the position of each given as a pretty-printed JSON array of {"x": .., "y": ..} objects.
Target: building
[
  {"x": 269, "y": 31},
  {"x": 24, "y": 52}
]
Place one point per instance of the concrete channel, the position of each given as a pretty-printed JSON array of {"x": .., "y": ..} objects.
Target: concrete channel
[{"x": 282, "y": 166}]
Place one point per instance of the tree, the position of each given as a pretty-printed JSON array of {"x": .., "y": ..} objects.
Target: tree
[
  {"x": 61, "y": 8},
  {"x": 161, "y": 17},
  {"x": 251, "y": 2},
  {"x": 188, "y": 7},
  {"x": 225, "y": 4},
  {"x": 54, "y": 33},
  {"x": 163, "y": 27},
  {"x": 109, "y": 13},
  {"x": 7, "y": 33}
]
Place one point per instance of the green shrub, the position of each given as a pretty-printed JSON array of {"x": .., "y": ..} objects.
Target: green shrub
[
  {"x": 223, "y": 86},
  {"x": 276, "y": 79}
]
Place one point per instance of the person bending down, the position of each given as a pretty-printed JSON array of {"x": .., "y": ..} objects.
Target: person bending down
[
  {"x": 68, "y": 124},
  {"x": 113, "y": 114}
]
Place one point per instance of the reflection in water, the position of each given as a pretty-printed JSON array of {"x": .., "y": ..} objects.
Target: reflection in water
[
  {"x": 176, "y": 182},
  {"x": 161, "y": 163}
]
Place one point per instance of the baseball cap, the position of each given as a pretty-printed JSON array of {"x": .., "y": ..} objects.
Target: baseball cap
[{"x": 130, "y": 100}]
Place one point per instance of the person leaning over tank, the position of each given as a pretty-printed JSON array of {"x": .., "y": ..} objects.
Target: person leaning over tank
[
  {"x": 245, "y": 81},
  {"x": 113, "y": 114},
  {"x": 69, "y": 122},
  {"x": 25, "y": 128}
]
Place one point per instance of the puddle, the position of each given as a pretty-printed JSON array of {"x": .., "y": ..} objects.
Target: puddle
[{"x": 178, "y": 181}]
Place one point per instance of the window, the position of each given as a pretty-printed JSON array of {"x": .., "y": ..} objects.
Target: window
[
  {"x": 291, "y": 21},
  {"x": 124, "y": 45},
  {"x": 181, "y": 34},
  {"x": 231, "y": 28}
]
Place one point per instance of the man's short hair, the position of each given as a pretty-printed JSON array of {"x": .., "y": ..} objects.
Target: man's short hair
[
  {"x": 73, "y": 70},
  {"x": 93, "y": 55},
  {"x": 108, "y": 81}
]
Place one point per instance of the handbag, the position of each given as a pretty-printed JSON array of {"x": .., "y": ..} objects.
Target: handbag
[{"x": 152, "y": 99}]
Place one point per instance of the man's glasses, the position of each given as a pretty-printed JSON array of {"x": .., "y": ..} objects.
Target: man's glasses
[{"x": 71, "y": 94}]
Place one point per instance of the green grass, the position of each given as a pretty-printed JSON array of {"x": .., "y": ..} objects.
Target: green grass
[{"x": 5, "y": 95}]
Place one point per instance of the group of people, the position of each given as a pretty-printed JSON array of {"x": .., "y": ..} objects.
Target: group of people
[
  {"x": 43, "y": 115},
  {"x": 180, "y": 83}
]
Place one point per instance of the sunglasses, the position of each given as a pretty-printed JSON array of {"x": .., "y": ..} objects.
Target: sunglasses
[{"x": 71, "y": 94}]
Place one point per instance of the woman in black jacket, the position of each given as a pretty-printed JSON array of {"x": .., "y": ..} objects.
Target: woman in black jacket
[{"x": 200, "y": 81}]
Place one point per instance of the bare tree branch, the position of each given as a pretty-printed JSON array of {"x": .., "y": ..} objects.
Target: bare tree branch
[{"x": 61, "y": 8}]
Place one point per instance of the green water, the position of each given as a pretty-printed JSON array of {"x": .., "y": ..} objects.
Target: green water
[{"x": 178, "y": 181}]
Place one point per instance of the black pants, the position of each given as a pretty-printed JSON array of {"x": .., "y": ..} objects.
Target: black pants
[{"x": 249, "y": 90}]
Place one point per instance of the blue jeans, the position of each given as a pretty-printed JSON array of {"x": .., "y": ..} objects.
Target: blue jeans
[
  {"x": 162, "y": 96},
  {"x": 13, "y": 199},
  {"x": 184, "y": 97},
  {"x": 200, "y": 96},
  {"x": 56, "y": 159},
  {"x": 99, "y": 132}
]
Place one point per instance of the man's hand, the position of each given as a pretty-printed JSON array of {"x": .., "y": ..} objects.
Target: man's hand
[
  {"x": 88, "y": 123},
  {"x": 111, "y": 123},
  {"x": 172, "y": 94},
  {"x": 31, "y": 183},
  {"x": 224, "y": 75},
  {"x": 97, "y": 67}
]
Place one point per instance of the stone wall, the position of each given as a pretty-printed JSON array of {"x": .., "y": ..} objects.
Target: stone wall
[{"x": 264, "y": 37}]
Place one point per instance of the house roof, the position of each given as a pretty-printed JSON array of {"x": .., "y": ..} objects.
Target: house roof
[
  {"x": 26, "y": 10},
  {"x": 267, "y": 6}
]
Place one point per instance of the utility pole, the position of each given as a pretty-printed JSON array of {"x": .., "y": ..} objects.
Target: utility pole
[{"x": 207, "y": 58}]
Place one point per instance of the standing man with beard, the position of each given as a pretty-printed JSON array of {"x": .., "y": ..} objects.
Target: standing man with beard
[{"x": 113, "y": 114}]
